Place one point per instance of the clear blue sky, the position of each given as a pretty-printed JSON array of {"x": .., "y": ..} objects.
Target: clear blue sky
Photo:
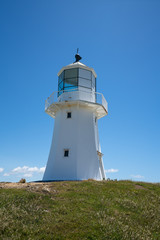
[{"x": 120, "y": 40}]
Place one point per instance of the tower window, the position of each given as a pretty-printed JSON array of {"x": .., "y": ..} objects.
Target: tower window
[
  {"x": 66, "y": 153},
  {"x": 69, "y": 115}
]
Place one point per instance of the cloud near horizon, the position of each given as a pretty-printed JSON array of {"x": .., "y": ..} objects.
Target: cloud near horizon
[
  {"x": 137, "y": 176},
  {"x": 1, "y": 170},
  {"x": 111, "y": 170},
  {"x": 25, "y": 171}
]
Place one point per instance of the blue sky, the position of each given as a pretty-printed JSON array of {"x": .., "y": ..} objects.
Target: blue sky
[{"x": 120, "y": 40}]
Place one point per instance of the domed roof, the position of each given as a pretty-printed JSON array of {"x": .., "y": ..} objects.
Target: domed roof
[{"x": 77, "y": 65}]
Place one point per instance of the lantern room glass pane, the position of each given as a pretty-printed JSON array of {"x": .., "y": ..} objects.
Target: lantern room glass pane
[
  {"x": 93, "y": 80},
  {"x": 61, "y": 77},
  {"x": 84, "y": 83},
  {"x": 60, "y": 86},
  {"x": 70, "y": 82},
  {"x": 70, "y": 89},
  {"x": 71, "y": 73},
  {"x": 85, "y": 74}
]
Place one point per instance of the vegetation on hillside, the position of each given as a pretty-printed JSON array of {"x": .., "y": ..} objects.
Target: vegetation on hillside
[{"x": 80, "y": 210}]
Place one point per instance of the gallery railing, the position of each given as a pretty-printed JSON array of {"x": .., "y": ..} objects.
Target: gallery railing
[{"x": 76, "y": 95}]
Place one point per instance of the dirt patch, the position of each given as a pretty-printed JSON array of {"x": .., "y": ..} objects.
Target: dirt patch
[
  {"x": 139, "y": 187},
  {"x": 33, "y": 187}
]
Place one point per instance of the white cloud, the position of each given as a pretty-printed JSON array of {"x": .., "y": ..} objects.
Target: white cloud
[
  {"x": 25, "y": 171},
  {"x": 42, "y": 169},
  {"x": 19, "y": 169},
  {"x": 111, "y": 170},
  {"x": 6, "y": 174},
  {"x": 1, "y": 170},
  {"x": 137, "y": 176}
]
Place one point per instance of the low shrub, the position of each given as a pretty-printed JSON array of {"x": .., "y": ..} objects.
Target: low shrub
[{"x": 23, "y": 180}]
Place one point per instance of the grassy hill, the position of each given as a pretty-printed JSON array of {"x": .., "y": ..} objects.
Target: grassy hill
[{"x": 80, "y": 210}]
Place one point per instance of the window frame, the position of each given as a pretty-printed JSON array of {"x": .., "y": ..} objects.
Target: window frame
[
  {"x": 66, "y": 150},
  {"x": 69, "y": 115}
]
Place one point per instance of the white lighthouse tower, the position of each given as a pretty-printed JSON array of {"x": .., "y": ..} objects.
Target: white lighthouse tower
[{"x": 75, "y": 152}]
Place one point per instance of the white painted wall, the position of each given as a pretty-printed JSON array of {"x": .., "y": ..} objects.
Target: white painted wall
[{"x": 80, "y": 135}]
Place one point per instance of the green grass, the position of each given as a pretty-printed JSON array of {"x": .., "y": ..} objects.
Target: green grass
[{"x": 82, "y": 210}]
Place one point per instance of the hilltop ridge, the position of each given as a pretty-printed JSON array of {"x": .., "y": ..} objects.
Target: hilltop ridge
[{"x": 80, "y": 210}]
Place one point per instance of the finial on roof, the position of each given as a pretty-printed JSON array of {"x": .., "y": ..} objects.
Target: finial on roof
[{"x": 77, "y": 56}]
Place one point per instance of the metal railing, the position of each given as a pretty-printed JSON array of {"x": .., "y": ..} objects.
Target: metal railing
[{"x": 76, "y": 95}]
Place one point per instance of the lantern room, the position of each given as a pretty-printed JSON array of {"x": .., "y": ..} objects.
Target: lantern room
[{"x": 76, "y": 76}]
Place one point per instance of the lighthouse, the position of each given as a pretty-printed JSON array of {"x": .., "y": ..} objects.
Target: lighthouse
[{"x": 75, "y": 152}]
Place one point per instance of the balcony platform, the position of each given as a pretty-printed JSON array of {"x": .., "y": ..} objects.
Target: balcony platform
[{"x": 90, "y": 100}]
